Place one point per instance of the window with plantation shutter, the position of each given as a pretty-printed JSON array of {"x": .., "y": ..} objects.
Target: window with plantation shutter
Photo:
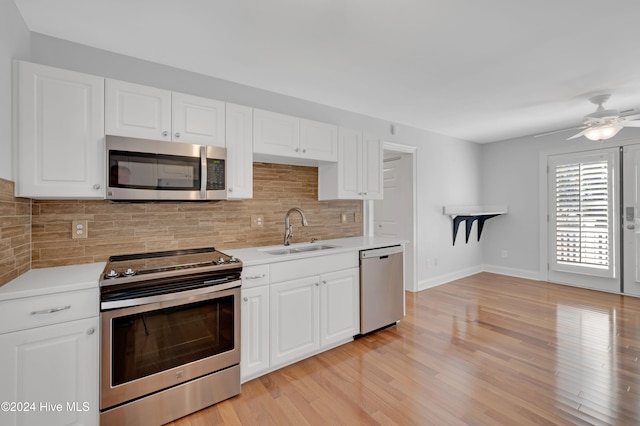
[{"x": 582, "y": 218}]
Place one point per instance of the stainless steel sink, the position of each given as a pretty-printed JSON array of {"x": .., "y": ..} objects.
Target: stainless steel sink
[{"x": 302, "y": 249}]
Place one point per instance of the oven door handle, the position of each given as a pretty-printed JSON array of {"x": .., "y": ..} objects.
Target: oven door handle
[{"x": 114, "y": 304}]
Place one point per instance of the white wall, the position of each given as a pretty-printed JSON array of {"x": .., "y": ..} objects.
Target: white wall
[
  {"x": 448, "y": 169},
  {"x": 14, "y": 43}
]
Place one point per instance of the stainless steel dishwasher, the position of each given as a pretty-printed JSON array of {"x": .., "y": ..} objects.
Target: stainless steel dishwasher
[{"x": 381, "y": 287}]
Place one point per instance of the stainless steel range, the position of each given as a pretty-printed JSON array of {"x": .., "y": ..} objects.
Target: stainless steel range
[{"x": 170, "y": 341}]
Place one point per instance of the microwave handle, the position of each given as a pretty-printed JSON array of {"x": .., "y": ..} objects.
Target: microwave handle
[{"x": 204, "y": 177}]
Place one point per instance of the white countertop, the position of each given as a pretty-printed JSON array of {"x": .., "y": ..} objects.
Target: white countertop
[
  {"x": 258, "y": 255},
  {"x": 37, "y": 282}
]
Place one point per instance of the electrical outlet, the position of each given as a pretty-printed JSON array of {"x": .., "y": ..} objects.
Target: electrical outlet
[
  {"x": 257, "y": 221},
  {"x": 79, "y": 229},
  {"x": 343, "y": 217}
]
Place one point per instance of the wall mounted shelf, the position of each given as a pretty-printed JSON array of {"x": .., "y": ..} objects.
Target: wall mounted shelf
[{"x": 470, "y": 214}]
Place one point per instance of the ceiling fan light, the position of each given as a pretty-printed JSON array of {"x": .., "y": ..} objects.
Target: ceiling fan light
[{"x": 601, "y": 133}]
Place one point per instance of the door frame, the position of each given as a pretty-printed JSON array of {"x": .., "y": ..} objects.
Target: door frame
[{"x": 368, "y": 228}]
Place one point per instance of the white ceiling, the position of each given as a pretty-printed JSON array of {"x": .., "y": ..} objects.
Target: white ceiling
[{"x": 476, "y": 70}]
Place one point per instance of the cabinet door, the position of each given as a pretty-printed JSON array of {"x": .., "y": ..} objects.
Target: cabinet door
[
  {"x": 137, "y": 111},
  {"x": 60, "y": 143},
  {"x": 197, "y": 120},
  {"x": 57, "y": 366},
  {"x": 294, "y": 317},
  {"x": 239, "y": 129},
  {"x": 372, "y": 171},
  {"x": 275, "y": 134},
  {"x": 255, "y": 332},
  {"x": 350, "y": 164},
  {"x": 318, "y": 141},
  {"x": 339, "y": 306}
]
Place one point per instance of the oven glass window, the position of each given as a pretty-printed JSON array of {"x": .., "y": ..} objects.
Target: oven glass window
[
  {"x": 151, "y": 342},
  {"x": 153, "y": 171}
]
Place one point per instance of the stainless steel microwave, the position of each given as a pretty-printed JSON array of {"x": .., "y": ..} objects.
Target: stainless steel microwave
[{"x": 140, "y": 169}]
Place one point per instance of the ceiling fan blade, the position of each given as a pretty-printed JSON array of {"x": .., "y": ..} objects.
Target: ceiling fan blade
[
  {"x": 577, "y": 135},
  {"x": 630, "y": 117},
  {"x": 630, "y": 123},
  {"x": 559, "y": 131}
]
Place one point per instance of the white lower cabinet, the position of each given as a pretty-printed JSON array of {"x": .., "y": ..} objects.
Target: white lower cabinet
[
  {"x": 255, "y": 331},
  {"x": 295, "y": 327},
  {"x": 50, "y": 374},
  {"x": 294, "y": 309},
  {"x": 339, "y": 306}
]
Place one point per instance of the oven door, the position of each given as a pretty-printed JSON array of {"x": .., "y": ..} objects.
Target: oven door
[{"x": 155, "y": 346}]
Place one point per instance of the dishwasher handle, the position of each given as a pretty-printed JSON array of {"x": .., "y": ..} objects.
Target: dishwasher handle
[{"x": 381, "y": 252}]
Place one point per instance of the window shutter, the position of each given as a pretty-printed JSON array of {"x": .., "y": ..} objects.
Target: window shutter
[{"x": 582, "y": 212}]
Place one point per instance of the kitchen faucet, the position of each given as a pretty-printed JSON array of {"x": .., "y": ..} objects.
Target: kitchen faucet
[{"x": 288, "y": 228}]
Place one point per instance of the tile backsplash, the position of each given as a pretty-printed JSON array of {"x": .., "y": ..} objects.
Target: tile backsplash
[
  {"x": 119, "y": 228},
  {"x": 15, "y": 233}
]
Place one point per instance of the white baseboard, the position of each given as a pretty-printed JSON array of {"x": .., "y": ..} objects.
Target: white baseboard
[
  {"x": 443, "y": 279},
  {"x": 512, "y": 272}
]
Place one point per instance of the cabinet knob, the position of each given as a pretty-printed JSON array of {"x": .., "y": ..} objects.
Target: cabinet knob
[
  {"x": 297, "y": 149},
  {"x": 165, "y": 133},
  {"x": 91, "y": 331},
  {"x": 177, "y": 135},
  {"x": 304, "y": 150},
  {"x": 96, "y": 186},
  {"x": 317, "y": 284},
  {"x": 246, "y": 299},
  {"x": 230, "y": 189},
  {"x": 324, "y": 282}
]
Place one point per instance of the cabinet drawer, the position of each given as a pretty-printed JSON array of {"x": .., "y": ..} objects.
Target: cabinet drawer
[
  {"x": 254, "y": 276},
  {"x": 294, "y": 269},
  {"x": 38, "y": 311}
]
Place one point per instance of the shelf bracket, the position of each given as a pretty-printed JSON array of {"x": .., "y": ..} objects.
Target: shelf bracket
[{"x": 468, "y": 216}]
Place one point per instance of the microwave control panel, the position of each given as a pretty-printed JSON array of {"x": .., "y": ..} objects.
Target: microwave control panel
[{"x": 215, "y": 174}]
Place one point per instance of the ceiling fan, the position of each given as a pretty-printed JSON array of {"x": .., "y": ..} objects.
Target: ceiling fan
[{"x": 602, "y": 123}]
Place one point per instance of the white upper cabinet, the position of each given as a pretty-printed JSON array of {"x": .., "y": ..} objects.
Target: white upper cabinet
[
  {"x": 59, "y": 140},
  {"x": 146, "y": 112},
  {"x": 198, "y": 120},
  {"x": 358, "y": 173},
  {"x": 287, "y": 137},
  {"x": 239, "y": 128},
  {"x": 137, "y": 111},
  {"x": 318, "y": 141}
]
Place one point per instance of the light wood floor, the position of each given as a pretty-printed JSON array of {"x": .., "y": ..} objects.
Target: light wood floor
[{"x": 484, "y": 350}]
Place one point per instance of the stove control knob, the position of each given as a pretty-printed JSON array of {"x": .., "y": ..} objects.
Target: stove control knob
[
  {"x": 129, "y": 272},
  {"x": 112, "y": 274},
  {"x": 233, "y": 260},
  {"x": 221, "y": 261}
]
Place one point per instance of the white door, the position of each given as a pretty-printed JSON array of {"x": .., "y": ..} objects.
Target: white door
[
  {"x": 393, "y": 215},
  {"x": 631, "y": 220},
  {"x": 255, "y": 331},
  {"x": 239, "y": 139},
  {"x": 340, "y": 306},
  {"x": 318, "y": 141},
  {"x": 294, "y": 327},
  {"x": 137, "y": 111},
  {"x": 275, "y": 134},
  {"x": 57, "y": 366},
  {"x": 197, "y": 120},
  {"x": 372, "y": 175},
  {"x": 583, "y": 200},
  {"x": 60, "y": 132}
]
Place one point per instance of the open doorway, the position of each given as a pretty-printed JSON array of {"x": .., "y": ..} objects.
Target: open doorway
[{"x": 395, "y": 215}]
